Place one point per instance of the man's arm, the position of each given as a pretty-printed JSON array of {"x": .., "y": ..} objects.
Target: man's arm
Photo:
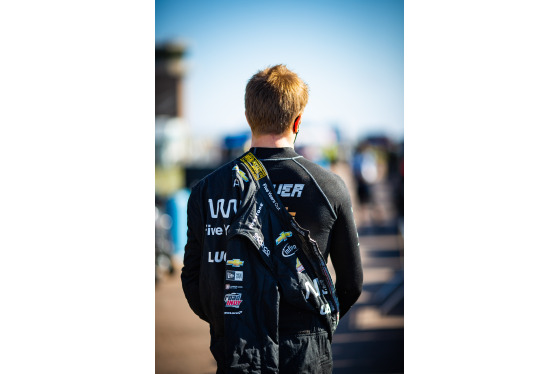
[
  {"x": 193, "y": 252},
  {"x": 345, "y": 255}
]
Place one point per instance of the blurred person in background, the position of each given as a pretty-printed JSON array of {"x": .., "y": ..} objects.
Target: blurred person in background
[
  {"x": 315, "y": 198},
  {"x": 395, "y": 176},
  {"x": 163, "y": 242},
  {"x": 364, "y": 168}
]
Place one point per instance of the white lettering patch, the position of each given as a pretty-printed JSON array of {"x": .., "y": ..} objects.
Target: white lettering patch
[
  {"x": 219, "y": 207},
  {"x": 271, "y": 197},
  {"x": 263, "y": 247},
  {"x": 217, "y": 256},
  {"x": 309, "y": 287},
  {"x": 252, "y": 224},
  {"x": 325, "y": 309},
  {"x": 211, "y": 231},
  {"x": 289, "y": 250},
  {"x": 289, "y": 189},
  {"x": 232, "y": 287},
  {"x": 315, "y": 288}
]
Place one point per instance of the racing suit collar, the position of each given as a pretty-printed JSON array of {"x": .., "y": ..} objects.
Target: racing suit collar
[{"x": 267, "y": 153}]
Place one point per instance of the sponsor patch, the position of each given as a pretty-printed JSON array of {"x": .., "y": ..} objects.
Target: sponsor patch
[
  {"x": 233, "y": 300},
  {"x": 261, "y": 244},
  {"x": 232, "y": 287},
  {"x": 238, "y": 312},
  {"x": 241, "y": 172},
  {"x": 222, "y": 207},
  {"x": 258, "y": 212},
  {"x": 289, "y": 250},
  {"x": 284, "y": 235},
  {"x": 299, "y": 266},
  {"x": 254, "y": 165},
  {"x": 235, "y": 262},
  {"x": 233, "y": 275},
  {"x": 269, "y": 193}
]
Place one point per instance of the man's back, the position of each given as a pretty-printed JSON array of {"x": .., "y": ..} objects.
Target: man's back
[{"x": 319, "y": 201}]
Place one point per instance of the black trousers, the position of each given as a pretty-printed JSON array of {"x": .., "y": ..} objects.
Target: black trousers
[{"x": 305, "y": 353}]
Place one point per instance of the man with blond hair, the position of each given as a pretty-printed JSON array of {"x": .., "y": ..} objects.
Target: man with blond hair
[{"x": 260, "y": 230}]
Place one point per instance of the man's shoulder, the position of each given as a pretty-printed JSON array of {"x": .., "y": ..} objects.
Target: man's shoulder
[
  {"x": 226, "y": 183},
  {"x": 320, "y": 173},
  {"x": 215, "y": 176}
]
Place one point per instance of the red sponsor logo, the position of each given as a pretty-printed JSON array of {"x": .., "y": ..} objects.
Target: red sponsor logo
[{"x": 233, "y": 300}]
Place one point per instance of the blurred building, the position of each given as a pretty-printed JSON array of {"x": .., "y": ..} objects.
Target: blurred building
[
  {"x": 175, "y": 146},
  {"x": 171, "y": 128}
]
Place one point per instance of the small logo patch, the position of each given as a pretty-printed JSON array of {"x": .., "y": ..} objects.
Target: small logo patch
[
  {"x": 235, "y": 262},
  {"x": 233, "y": 300},
  {"x": 232, "y": 275},
  {"x": 284, "y": 235},
  {"x": 289, "y": 250},
  {"x": 299, "y": 266},
  {"x": 241, "y": 172},
  {"x": 232, "y": 287}
]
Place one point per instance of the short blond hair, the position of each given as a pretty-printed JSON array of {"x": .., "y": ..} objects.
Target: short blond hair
[{"x": 273, "y": 98}]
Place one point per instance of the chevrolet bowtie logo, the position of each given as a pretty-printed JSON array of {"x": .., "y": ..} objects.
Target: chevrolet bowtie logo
[
  {"x": 284, "y": 235},
  {"x": 243, "y": 175},
  {"x": 235, "y": 262}
]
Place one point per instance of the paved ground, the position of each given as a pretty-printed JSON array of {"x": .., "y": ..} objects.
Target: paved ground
[
  {"x": 182, "y": 339},
  {"x": 370, "y": 339}
]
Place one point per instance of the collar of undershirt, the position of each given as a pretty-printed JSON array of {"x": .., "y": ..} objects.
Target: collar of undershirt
[{"x": 274, "y": 153}]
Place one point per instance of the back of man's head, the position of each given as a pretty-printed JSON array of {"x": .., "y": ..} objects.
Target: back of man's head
[{"x": 274, "y": 97}]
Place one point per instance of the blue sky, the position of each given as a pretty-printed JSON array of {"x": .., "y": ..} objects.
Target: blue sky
[{"x": 350, "y": 53}]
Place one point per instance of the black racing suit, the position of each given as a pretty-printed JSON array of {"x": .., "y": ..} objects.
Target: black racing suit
[{"x": 320, "y": 203}]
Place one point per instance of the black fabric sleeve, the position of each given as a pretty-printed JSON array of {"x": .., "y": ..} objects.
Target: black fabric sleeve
[
  {"x": 193, "y": 252},
  {"x": 345, "y": 255}
]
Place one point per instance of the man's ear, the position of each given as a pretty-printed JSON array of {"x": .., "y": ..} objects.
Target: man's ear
[{"x": 297, "y": 122}]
